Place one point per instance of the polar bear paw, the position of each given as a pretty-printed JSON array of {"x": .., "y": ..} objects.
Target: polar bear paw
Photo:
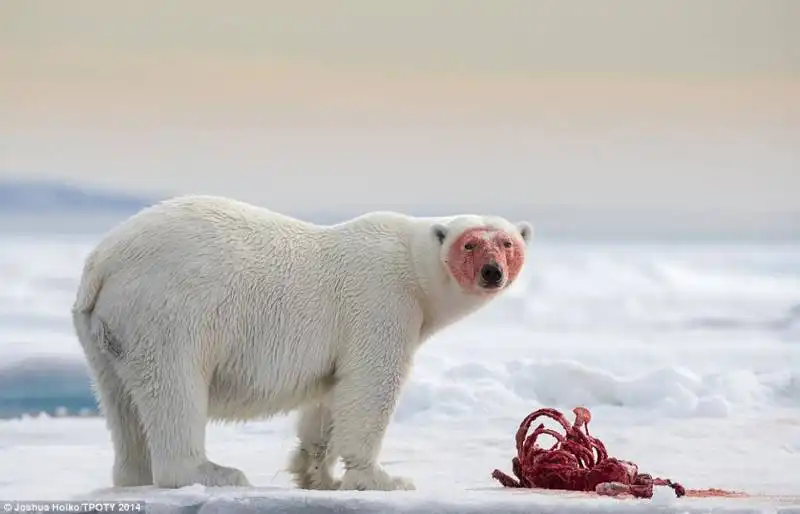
[
  {"x": 311, "y": 471},
  {"x": 131, "y": 474},
  {"x": 209, "y": 474},
  {"x": 374, "y": 479}
]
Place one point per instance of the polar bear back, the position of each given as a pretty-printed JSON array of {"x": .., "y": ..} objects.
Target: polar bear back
[{"x": 269, "y": 276}]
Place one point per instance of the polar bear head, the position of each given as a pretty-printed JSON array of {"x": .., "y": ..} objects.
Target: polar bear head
[{"x": 482, "y": 255}]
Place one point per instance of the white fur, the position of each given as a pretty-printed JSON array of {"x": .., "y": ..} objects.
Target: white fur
[{"x": 205, "y": 308}]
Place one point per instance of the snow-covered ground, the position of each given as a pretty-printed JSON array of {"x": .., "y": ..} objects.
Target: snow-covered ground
[{"x": 688, "y": 357}]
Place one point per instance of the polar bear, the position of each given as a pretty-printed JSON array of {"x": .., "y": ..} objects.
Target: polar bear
[{"x": 206, "y": 308}]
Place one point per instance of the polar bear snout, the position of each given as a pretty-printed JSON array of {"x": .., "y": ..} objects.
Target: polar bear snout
[{"x": 492, "y": 276}]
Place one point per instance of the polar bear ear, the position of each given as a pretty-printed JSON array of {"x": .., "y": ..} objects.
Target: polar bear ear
[
  {"x": 525, "y": 230},
  {"x": 439, "y": 232}
]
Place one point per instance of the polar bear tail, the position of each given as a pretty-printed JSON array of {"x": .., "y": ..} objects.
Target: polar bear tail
[{"x": 90, "y": 330}]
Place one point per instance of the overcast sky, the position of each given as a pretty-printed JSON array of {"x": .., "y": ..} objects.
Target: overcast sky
[{"x": 681, "y": 105}]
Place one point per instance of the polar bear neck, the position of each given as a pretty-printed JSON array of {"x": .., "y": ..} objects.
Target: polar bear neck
[{"x": 405, "y": 249}]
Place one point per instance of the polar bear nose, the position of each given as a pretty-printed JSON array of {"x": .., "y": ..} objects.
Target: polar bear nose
[{"x": 492, "y": 275}]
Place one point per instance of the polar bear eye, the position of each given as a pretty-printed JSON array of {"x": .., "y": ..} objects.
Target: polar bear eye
[{"x": 469, "y": 247}]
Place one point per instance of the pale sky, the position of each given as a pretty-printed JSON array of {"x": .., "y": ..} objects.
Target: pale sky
[{"x": 680, "y": 105}]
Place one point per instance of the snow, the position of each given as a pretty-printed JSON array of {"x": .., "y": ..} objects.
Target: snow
[{"x": 688, "y": 356}]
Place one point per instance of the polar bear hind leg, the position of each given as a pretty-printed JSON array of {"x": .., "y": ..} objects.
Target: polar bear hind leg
[
  {"x": 131, "y": 454},
  {"x": 313, "y": 460},
  {"x": 173, "y": 402}
]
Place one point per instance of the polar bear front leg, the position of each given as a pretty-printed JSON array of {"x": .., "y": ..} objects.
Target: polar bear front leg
[
  {"x": 364, "y": 397},
  {"x": 313, "y": 460}
]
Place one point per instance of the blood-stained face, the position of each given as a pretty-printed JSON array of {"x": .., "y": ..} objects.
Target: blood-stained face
[{"x": 485, "y": 260}]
